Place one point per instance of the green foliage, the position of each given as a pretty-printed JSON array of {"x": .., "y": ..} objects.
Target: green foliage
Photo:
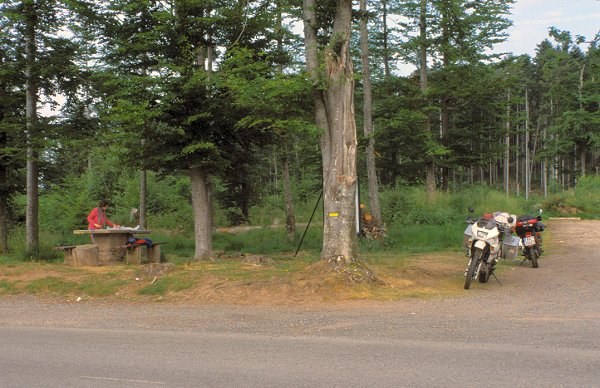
[
  {"x": 66, "y": 208},
  {"x": 421, "y": 238},
  {"x": 582, "y": 201},
  {"x": 587, "y": 194},
  {"x": 411, "y": 205},
  {"x": 268, "y": 240}
]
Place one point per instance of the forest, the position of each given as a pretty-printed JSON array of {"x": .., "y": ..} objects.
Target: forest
[{"x": 203, "y": 114}]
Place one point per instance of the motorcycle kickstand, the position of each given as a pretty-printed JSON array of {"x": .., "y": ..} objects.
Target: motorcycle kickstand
[{"x": 494, "y": 275}]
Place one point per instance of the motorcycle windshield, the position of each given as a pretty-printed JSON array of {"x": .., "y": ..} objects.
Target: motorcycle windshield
[{"x": 486, "y": 224}]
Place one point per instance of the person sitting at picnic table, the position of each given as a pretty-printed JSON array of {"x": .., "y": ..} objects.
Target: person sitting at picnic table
[{"x": 97, "y": 218}]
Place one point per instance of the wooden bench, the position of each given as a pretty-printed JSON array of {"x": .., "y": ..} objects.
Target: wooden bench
[
  {"x": 133, "y": 255},
  {"x": 66, "y": 248}
]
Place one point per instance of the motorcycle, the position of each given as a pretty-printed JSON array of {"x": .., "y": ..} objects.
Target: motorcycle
[
  {"x": 529, "y": 229},
  {"x": 486, "y": 238}
]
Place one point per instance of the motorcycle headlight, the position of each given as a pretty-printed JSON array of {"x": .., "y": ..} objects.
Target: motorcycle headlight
[{"x": 481, "y": 234}]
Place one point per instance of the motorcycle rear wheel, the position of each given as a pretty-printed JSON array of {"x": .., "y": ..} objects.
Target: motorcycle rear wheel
[
  {"x": 534, "y": 258},
  {"x": 472, "y": 268}
]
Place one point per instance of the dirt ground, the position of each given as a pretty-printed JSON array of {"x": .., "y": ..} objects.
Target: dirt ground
[
  {"x": 437, "y": 275},
  {"x": 539, "y": 328}
]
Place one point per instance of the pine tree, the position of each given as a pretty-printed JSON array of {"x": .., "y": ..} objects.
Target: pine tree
[{"x": 46, "y": 56}]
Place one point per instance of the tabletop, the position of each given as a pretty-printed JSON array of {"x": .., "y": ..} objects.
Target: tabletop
[{"x": 112, "y": 231}]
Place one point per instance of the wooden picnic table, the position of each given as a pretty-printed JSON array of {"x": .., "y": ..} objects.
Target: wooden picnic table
[{"x": 110, "y": 242}]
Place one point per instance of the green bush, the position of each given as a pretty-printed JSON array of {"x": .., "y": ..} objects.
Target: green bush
[
  {"x": 587, "y": 194},
  {"x": 424, "y": 238},
  {"x": 412, "y": 206},
  {"x": 584, "y": 199}
]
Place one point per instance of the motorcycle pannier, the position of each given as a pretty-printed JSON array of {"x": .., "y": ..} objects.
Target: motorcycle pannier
[
  {"x": 510, "y": 247},
  {"x": 467, "y": 236}
]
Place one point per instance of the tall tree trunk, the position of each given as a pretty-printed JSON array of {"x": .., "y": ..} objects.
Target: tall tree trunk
[
  {"x": 423, "y": 77},
  {"x": 507, "y": 149},
  {"x": 582, "y": 149},
  {"x": 556, "y": 161},
  {"x": 445, "y": 113},
  {"x": 581, "y": 73},
  {"x": 4, "y": 196},
  {"x": 334, "y": 113},
  {"x": 386, "y": 51},
  {"x": 290, "y": 215},
  {"x": 445, "y": 127},
  {"x": 518, "y": 156},
  {"x": 4, "y": 190},
  {"x": 275, "y": 174},
  {"x": 3, "y": 223},
  {"x": 202, "y": 205},
  {"x": 368, "y": 116},
  {"x": 143, "y": 196},
  {"x": 31, "y": 217},
  {"x": 527, "y": 154},
  {"x": 545, "y": 163},
  {"x": 201, "y": 183}
]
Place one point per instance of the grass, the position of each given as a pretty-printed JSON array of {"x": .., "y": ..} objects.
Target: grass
[
  {"x": 284, "y": 280},
  {"x": 420, "y": 258},
  {"x": 168, "y": 284},
  {"x": 7, "y": 287},
  {"x": 100, "y": 286},
  {"x": 51, "y": 285}
]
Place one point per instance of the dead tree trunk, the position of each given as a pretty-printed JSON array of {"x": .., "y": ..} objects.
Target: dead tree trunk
[{"x": 334, "y": 114}]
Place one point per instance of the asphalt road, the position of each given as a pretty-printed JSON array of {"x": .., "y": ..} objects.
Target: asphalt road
[{"x": 540, "y": 328}]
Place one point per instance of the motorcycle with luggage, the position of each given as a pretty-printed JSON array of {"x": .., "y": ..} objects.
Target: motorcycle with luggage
[
  {"x": 487, "y": 239},
  {"x": 529, "y": 229}
]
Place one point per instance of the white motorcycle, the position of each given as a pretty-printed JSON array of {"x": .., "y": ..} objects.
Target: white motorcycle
[{"x": 487, "y": 239}]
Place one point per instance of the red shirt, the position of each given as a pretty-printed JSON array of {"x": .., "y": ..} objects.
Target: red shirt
[{"x": 98, "y": 217}]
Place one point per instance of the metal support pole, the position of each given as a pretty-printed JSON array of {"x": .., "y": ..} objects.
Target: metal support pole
[{"x": 309, "y": 221}]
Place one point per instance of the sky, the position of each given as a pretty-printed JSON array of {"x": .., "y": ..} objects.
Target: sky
[{"x": 532, "y": 18}]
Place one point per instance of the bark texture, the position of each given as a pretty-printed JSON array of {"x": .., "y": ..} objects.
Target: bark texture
[
  {"x": 31, "y": 214},
  {"x": 3, "y": 224},
  {"x": 143, "y": 196},
  {"x": 334, "y": 114},
  {"x": 424, "y": 83},
  {"x": 368, "y": 116},
  {"x": 290, "y": 215},
  {"x": 4, "y": 193},
  {"x": 202, "y": 205}
]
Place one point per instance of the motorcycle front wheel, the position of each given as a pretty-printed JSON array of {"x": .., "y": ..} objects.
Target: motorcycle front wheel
[{"x": 472, "y": 268}]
